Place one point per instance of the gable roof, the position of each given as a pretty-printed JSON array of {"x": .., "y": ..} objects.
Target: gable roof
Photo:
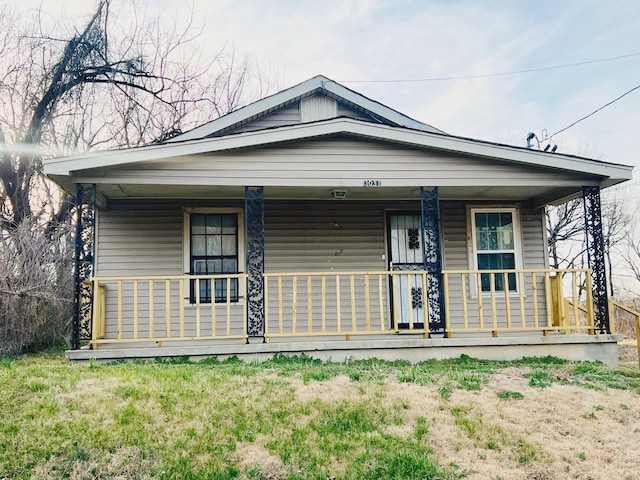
[
  {"x": 358, "y": 117},
  {"x": 316, "y": 85}
]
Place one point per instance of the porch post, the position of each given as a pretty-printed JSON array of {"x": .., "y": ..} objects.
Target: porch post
[
  {"x": 254, "y": 241},
  {"x": 595, "y": 256},
  {"x": 432, "y": 253},
  {"x": 83, "y": 263}
]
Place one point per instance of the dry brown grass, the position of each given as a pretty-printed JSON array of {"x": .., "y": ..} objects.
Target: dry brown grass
[
  {"x": 628, "y": 353},
  {"x": 625, "y": 322},
  {"x": 150, "y": 420},
  {"x": 123, "y": 464},
  {"x": 254, "y": 455},
  {"x": 569, "y": 441},
  {"x": 576, "y": 433}
]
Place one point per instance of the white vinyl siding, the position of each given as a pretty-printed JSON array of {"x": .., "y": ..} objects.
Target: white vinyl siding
[
  {"x": 458, "y": 255},
  {"x": 338, "y": 162},
  {"x": 324, "y": 236},
  {"x": 345, "y": 111},
  {"x": 138, "y": 238},
  {"x": 146, "y": 238},
  {"x": 143, "y": 238},
  {"x": 317, "y": 107},
  {"x": 286, "y": 116}
]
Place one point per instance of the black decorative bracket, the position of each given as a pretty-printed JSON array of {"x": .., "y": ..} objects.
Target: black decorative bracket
[
  {"x": 430, "y": 209},
  {"x": 413, "y": 238},
  {"x": 596, "y": 257},
  {"x": 83, "y": 264},
  {"x": 416, "y": 297},
  {"x": 254, "y": 225}
]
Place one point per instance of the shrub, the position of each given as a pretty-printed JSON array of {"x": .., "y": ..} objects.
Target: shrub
[{"x": 36, "y": 286}]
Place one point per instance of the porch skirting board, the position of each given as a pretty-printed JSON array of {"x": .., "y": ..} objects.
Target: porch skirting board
[{"x": 409, "y": 347}]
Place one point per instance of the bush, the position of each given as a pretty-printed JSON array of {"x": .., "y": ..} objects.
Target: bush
[
  {"x": 36, "y": 287},
  {"x": 625, "y": 322}
]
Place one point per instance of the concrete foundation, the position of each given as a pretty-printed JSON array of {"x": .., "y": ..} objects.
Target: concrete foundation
[{"x": 413, "y": 348}]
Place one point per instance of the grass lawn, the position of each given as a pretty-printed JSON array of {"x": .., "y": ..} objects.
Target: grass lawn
[{"x": 298, "y": 418}]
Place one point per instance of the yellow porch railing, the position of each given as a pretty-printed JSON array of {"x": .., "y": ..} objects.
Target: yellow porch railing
[
  {"x": 517, "y": 300},
  {"x": 344, "y": 303},
  {"x": 613, "y": 304},
  {"x": 307, "y": 304},
  {"x": 163, "y": 308}
]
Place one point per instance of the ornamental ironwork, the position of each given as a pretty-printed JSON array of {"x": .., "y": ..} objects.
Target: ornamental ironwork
[
  {"x": 430, "y": 209},
  {"x": 595, "y": 250},
  {"x": 254, "y": 224},
  {"x": 413, "y": 238},
  {"x": 416, "y": 297},
  {"x": 83, "y": 264},
  {"x": 407, "y": 267}
]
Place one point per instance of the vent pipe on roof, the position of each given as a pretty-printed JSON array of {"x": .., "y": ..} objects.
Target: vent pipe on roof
[{"x": 530, "y": 136}]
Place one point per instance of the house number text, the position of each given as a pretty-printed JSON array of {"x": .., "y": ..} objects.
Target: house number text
[{"x": 372, "y": 183}]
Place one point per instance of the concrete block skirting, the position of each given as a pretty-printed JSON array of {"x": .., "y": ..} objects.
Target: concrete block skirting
[{"x": 400, "y": 347}]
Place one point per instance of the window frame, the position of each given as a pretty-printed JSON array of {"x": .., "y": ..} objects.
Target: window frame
[
  {"x": 186, "y": 249},
  {"x": 473, "y": 250}
]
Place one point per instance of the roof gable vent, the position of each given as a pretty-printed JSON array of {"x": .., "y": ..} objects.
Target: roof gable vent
[{"x": 318, "y": 107}]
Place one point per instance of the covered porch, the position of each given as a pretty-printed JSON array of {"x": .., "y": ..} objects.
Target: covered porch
[
  {"x": 347, "y": 315},
  {"x": 422, "y": 299}
]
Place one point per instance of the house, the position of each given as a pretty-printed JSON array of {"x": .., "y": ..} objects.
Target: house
[{"x": 320, "y": 221}]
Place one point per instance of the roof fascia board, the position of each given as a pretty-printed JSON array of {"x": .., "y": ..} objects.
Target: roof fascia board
[
  {"x": 420, "y": 139},
  {"x": 377, "y": 108},
  {"x": 251, "y": 110}
]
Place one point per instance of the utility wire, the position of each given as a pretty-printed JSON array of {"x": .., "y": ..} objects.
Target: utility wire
[
  {"x": 595, "y": 111},
  {"x": 466, "y": 77}
]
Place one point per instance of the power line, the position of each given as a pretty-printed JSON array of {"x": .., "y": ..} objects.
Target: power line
[
  {"x": 500, "y": 74},
  {"x": 595, "y": 111}
]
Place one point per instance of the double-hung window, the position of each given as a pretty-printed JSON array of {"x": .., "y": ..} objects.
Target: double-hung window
[
  {"x": 495, "y": 237},
  {"x": 213, "y": 250}
]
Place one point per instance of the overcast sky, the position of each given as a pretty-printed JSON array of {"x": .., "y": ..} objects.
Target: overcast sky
[{"x": 388, "y": 40}]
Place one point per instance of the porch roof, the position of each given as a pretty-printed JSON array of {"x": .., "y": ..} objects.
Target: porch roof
[
  {"x": 565, "y": 174},
  {"x": 610, "y": 172}
]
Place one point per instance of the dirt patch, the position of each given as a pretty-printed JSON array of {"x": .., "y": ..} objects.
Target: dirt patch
[
  {"x": 255, "y": 457},
  {"x": 336, "y": 389},
  {"x": 93, "y": 386}
]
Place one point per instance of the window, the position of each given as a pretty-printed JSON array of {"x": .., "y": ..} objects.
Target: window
[
  {"x": 213, "y": 250},
  {"x": 495, "y": 236}
]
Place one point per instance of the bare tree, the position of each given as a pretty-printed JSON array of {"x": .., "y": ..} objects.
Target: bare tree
[
  {"x": 616, "y": 224},
  {"x": 122, "y": 79},
  {"x": 631, "y": 255},
  {"x": 629, "y": 251},
  {"x": 565, "y": 233},
  {"x": 112, "y": 83}
]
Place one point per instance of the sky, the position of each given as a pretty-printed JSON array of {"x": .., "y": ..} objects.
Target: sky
[{"x": 371, "y": 46}]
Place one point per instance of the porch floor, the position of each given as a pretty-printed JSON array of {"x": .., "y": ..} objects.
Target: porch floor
[{"x": 405, "y": 346}]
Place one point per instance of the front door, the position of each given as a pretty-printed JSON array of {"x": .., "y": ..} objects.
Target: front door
[{"x": 406, "y": 254}]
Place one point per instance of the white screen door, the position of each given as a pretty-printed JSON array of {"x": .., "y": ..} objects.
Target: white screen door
[{"x": 406, "y": 254}]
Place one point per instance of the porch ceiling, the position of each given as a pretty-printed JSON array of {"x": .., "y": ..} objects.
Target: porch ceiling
[{"x": 538, "y": 195}]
